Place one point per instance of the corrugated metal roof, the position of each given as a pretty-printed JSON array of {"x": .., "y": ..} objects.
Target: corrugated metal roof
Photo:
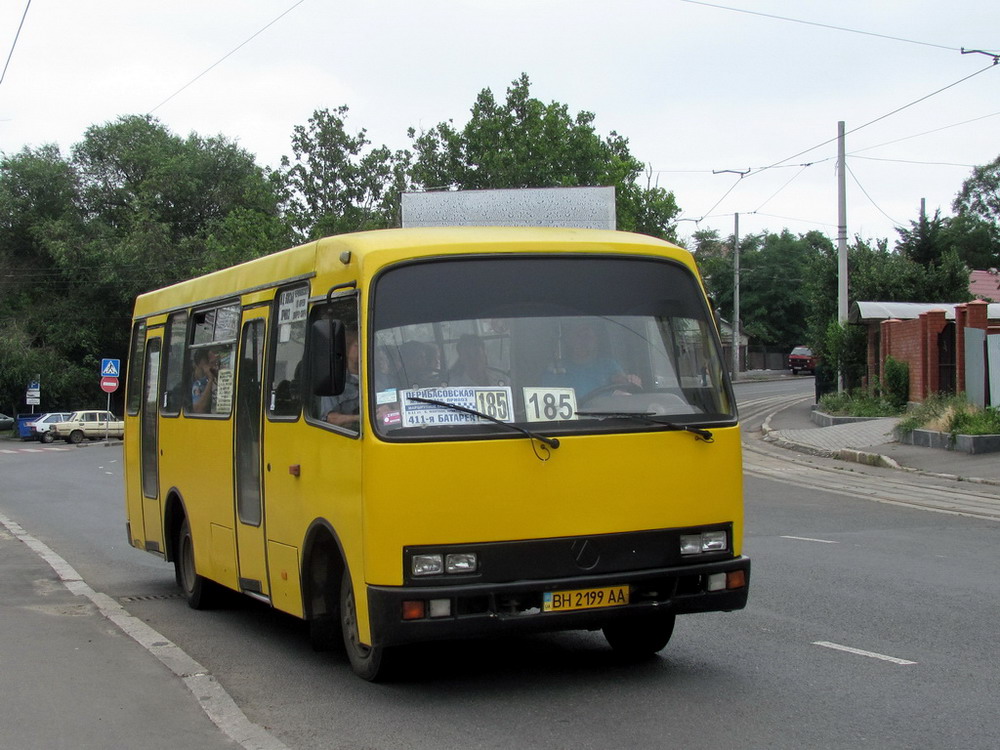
[{"x": 867, "y": 312}]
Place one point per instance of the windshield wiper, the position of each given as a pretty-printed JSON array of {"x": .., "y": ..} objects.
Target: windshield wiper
[
  {"x": 649, "y": 418},
  {"x": 549, "y": 441}
]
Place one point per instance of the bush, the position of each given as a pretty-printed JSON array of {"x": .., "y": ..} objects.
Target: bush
[
  {"x": 857, "y": 403},
  {"x": 896, "y": 382},
  {"x": 952, "y": 414}
]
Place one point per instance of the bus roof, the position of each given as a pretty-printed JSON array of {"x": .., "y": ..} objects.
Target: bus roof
[{"x": 358, "y": 256}]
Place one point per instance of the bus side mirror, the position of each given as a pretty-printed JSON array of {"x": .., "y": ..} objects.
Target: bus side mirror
[{"x": 328, "y": 357}]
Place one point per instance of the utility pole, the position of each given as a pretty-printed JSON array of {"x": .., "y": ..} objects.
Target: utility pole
[
  {"x": 736, "y": 296},
  {"x": 841, "y": 235}
]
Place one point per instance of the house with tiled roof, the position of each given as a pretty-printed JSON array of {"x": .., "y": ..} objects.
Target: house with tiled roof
[{"x": 985, "y": 285}]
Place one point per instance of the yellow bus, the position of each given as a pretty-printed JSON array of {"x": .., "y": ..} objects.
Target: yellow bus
[{"x": 427, "y": 434}]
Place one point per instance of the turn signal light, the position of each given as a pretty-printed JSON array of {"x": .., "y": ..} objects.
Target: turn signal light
[
  {"x": 415, "y": 610},
  {"x": 736, "y": 579}
]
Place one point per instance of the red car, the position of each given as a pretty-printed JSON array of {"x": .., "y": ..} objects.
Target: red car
[{"x": 800, "y": 359}]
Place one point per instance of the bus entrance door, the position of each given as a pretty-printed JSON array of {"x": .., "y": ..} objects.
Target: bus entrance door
[
  {"x": 249, "y": 497},
  {"x": 149, "y": 442}
]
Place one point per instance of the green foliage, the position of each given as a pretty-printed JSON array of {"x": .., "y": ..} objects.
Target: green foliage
[
  {"x": 980, "y": 194},
  {"x": 952, "y": 414},
  {"x": 523, "y": 142},
  {"x": 896, "y": 382},
  {"x": 858, "y": 403},
  {"x": 135, "y": 208},
  {"x": 843, "y": 349},
  {"x": 772, "y": 313},
  {"x": 334, "y": 184}
]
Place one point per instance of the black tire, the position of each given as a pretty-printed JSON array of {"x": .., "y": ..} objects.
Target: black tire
[
  {"x": 46, "y": 437},
  {"x": 324, "y": 633},
  {"x": 639, "y": 637},
  {"x": 368, "y": 662},
  {"x": 199, "y": 591},
  {"x": 75, "y": 437}
]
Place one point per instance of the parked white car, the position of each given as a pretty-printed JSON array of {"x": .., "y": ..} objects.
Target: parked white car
[
  {"x": 41, "y": 428},
  {"x": 92, "y": 424}
]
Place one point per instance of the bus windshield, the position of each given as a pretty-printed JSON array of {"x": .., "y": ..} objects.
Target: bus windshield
[{"x": 559, "y": 343}]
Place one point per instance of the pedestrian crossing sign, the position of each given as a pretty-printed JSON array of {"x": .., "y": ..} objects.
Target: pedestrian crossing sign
[{"x": 110, "y": 368}]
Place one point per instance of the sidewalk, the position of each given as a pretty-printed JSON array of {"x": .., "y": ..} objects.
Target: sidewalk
[
  {"x": 871, "y": 442},
  {"x": 71, "y": 676}
]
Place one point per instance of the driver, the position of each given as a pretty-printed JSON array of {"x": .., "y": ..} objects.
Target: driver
[{"x": 582, "y": 367}]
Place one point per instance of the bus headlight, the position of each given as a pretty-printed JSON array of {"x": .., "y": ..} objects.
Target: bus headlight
[
  {"x": 707, "y": 541},
  {"x": 427, "y": 565},
  {"x": 461, "y": 562},
  {"x": 435, "y": 564}
]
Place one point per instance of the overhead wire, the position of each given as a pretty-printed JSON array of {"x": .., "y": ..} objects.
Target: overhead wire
[
  {"x": 227, "y": 55},
  {"x": 926, "y": 132},
  {"x": 870, "y": 199},
  {"x": 831, "y": 26},
  {"x": 16, "y": 37},
  {"x": 851, "y": 131}
]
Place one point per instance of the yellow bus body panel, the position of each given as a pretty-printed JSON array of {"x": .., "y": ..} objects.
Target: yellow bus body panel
[
  {"x": 380, "y": 496},
  {"x": 483, "y": 491}
]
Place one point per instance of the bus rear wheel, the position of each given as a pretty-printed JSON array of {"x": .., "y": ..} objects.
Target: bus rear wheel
[
  {"x": 639, "y": 637},
  {"x": 368, "y": 662},
  {"x": 199, "y": 591}
]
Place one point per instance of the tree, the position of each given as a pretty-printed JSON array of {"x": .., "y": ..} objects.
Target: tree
[
  {"x": 876, "y": 273},
  {"x": 980, "y": 194},
  {"x": 774, "y": 275},
  {"x": 524, "y": 143},
  {"x": 333, "y": 184},
  {"x": 136, "y": 207},
  {"x": 975, "y": 240}
]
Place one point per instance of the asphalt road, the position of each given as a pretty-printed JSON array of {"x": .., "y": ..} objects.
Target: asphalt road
[{"x": 870, "y": 625}]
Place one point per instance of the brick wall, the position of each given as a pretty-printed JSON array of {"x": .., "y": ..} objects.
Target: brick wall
[{"x": 916, "y": 343}]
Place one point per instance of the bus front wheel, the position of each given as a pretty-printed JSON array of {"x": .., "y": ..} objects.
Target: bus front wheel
[
  {"x": 368, "y": 662},
  {"x": 639, "y": 637},
  {"x": 198, "y": 590}
]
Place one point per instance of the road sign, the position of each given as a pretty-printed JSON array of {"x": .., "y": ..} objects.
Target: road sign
[
  {"x": 32, "y": 401},
  {"x": 109, "y": 385},
  {"x": 111, "y": 368}
]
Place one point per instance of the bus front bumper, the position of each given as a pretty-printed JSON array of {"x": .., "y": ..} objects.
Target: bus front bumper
[{"x": 475, "y": 610}]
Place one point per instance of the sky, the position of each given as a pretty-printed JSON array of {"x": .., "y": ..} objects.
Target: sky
[{"x": 703, "y": 92}]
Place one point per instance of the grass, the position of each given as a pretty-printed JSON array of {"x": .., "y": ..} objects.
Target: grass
[
  {"x": 858, "y": 403},
  {"x": 952, "y": 414}
]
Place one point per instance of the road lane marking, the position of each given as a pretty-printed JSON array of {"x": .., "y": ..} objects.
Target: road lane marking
[
  {"x": 859, "y": 652},
  {"x": 217, "y": 704},
  {"x": 810, "y": 539}
]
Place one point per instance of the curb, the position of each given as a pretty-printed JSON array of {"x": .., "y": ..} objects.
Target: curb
[{"x": 852, "y": 455}]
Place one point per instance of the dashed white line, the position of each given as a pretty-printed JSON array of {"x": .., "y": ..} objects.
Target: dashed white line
[
  {"x": 810, "y": 539},
  {"x": 859, "y": 652}
]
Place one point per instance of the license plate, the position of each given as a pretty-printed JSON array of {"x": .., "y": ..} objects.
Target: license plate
[{"x": 565, "y": 601}]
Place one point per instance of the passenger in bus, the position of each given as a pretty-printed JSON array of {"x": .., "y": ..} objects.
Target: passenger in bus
[
  {"x": 470, "y": 368},
  {"x": 205, "y": 373},
  {"x": 421, "y": 364},
  {"x": 582, "y": 366},
  {"x": 386, "y": 367},
  {"x": 344, "y": 409}
]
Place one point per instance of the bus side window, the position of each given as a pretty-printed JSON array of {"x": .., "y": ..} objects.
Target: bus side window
[
  {"x": 173, "y": 376},
  {"x": 284, "y": 385},
  {"x": 335, "y": 356},
  {"x": 135, "y": 368},
  {"x": 211, "y": 360}
]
